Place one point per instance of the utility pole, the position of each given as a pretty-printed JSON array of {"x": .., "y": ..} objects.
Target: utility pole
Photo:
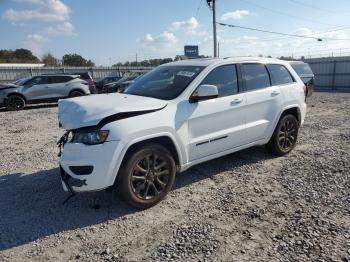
[
  {"x": 211, "y": 4},
  {"x": 136, "y": 59}
]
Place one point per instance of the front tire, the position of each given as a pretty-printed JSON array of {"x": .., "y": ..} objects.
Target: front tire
[
  {"x": 15, "y": 103},
  {"x": 284, "y": 137},
  {"x": 146, "y": 176}
]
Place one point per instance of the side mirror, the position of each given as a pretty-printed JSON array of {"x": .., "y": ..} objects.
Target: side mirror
[{"x": 204, "y": 92}]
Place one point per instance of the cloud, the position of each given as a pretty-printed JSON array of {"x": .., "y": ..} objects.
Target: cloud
[
  {"x": 235, "y": 15},
  {"x": 190, "y": 25},
  {"x": 35, "y": 43},
  {"x": 164, "y": 39},
  {"x": 65, "y": 28},
  {"x": 47, "y": 11}
]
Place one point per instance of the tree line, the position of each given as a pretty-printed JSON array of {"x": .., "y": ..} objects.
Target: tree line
[
  {"x": 25, "y": 56},
  {"x": 22, "y": 55}
]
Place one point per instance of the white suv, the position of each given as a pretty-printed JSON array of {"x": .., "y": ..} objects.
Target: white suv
[{"x": 176, "y": 116}]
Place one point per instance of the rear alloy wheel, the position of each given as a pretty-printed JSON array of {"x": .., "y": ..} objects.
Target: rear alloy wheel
[
  {"x": 284, "y": 137},
  {"x": 147, "y": 176},
  {"x": 15, "y": 102},
  {"x": 76, "y": 94}
]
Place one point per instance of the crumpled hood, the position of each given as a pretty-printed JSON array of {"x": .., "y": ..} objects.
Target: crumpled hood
[
  {"x": 90, "y": 110},
  {"x": 8, "y": 86}
]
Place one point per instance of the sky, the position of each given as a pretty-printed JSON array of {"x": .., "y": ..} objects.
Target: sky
[{"x": 108, "y": 31}]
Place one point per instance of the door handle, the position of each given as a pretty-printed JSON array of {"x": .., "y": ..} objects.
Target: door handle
[
  {"x": 236, "y": 101},
  {"x": 275, "y": 93},
  {"x": 46, "y": 87}
]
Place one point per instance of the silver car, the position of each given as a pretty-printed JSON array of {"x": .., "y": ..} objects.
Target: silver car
[{"x": 39, "y": 89}]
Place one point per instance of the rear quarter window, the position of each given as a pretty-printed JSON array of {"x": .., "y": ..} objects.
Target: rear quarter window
[{"x": 279, "y": 75}]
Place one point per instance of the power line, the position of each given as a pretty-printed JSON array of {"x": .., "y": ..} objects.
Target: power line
[
  {"x": 279, "y": 33},
  {"x": 285, "y": 14},
  {"x": 270, "y": 32},
  {"x": 287, "y": 37},
  {"x": 313, "y": 7}
]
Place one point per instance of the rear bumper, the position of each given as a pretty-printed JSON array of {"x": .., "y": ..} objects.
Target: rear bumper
[{"x": 102, "y": 158}]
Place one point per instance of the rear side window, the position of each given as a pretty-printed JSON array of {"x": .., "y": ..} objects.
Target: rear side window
[
  {"x": 225, "y": 78},
  {"x": 302, "y": 68},
  {"x": 59, "y": 79},
  {"x": 279, "y": 75},
  {"x": 255, "y": 76}
]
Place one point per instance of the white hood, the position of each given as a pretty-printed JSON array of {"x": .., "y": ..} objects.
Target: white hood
[{"x": 85, "y": 111}]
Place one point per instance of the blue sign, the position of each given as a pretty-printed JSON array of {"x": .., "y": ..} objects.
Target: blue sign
[{"x": 191, "y": 51}]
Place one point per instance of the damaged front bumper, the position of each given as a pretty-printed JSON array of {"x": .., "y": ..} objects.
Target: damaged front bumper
[{"x": 89, "y": 167}]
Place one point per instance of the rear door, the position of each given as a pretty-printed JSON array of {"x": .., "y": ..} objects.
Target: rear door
[
  {"x": 218, "y": 124},
  {"x": 263, "y": 101},
  {"x": 58, "y": 86}
]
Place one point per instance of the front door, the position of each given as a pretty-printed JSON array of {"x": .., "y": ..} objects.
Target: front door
[{"x": 218, "y": 124}]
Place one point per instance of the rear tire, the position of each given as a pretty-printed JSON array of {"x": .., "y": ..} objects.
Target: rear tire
[
  {"x": 284, "y": 137},
  {"x": 15, "y": 103},
  {"x": 146, "y": 176},
  {"x": 75, "y": 94}
]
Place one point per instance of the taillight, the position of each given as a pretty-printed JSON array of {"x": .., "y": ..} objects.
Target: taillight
[{"x": 305, "y": 90}]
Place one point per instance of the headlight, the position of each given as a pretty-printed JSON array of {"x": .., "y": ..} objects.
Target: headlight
[{"x": 90, "y": 138}]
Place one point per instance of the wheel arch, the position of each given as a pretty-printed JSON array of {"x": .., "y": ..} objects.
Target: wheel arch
[
  {"x": 165, "y": 140},
  {"x": 77, "y": 90},
  {"x": 292, "y": 109},
  {"x": 17, "y": 94}
]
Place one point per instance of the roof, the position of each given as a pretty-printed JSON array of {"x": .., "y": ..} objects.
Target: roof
[{"x": 211, "y": 61}]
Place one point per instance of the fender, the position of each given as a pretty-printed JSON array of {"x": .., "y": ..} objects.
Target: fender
[
  {"x": 279, "y": 116},
  {"x": 18, "y": 94},
  {"x": 126, "y": 146}
]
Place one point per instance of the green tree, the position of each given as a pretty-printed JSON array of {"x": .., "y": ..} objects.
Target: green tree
[
  {"x": 50, "y": 60},
  {"x": 76, "y": 60},
  {"x": 18, "y": 56}
]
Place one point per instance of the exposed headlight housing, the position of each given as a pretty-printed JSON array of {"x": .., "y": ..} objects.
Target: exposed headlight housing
[{"x": 90, "y": 137}]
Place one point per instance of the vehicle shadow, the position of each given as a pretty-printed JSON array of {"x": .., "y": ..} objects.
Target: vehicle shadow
[
  {"x": 32, "y": 106},
  {"x": 31, "y": 204}
]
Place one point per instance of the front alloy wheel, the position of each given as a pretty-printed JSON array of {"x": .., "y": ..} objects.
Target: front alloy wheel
[
  {"x": 15, "y": 102},
  {"x": 150, "y": 176},
  {"x": 147, "y": 176}
]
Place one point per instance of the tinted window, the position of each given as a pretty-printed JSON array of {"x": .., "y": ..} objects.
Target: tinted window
[
  {"x": 38, "y": 80},
  {"x": 255, "y": 76},
  {"x": 302, "y": 68},
  {"x": 279, "y": 75},
  {"x": 225, "y": 78},
  {"x": 59, "y": 79},
  {"x": 164, "y": 82}
]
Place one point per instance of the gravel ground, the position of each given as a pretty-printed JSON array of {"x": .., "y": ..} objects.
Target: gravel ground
[{"x": 242, "y": 207}]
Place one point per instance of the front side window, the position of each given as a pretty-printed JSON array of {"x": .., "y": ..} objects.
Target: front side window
[
  {"x": 164, "y": 82},
  {"x": 38, "y": 80},
  {"x": 224, "y": 78},
  {"x": 279, "y": 75},
  {"x": 255, "y": 76}
]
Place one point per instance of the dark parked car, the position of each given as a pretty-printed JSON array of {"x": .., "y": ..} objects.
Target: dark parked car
[
  {"x": 120, "y": 85},
  {"x": 305, "y": 73},
  {"x": 106, "y": 80}
]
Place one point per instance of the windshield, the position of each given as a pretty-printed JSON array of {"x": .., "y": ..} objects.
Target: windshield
[
  {"x": 164, "y": 82},
  {"x": 20, "y": 81},
  {"x": 302, "y": 69}
]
